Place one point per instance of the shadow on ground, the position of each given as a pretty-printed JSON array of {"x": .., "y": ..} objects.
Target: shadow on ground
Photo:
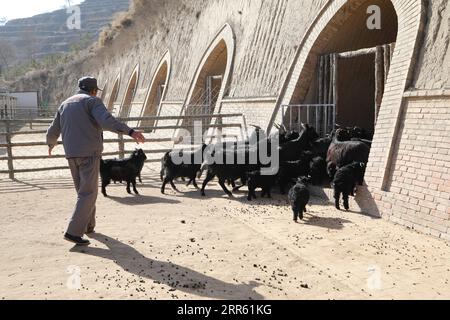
[
  {"x": 325, "y": 222},
  {"x": 136, "y": 200},
  {"x": 162, "y": 272}
]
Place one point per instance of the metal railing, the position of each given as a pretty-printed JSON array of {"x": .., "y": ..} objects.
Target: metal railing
[
  {"x": 27, "y": 150},
  {"x": 19, "y": 113},
  {"x": 321, "y": 116}
]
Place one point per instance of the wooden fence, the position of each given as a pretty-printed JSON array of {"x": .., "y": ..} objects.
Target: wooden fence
[{"x": 10, "y": 130}]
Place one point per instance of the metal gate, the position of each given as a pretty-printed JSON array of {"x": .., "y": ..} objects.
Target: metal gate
[{"x": 321, "y": 116}]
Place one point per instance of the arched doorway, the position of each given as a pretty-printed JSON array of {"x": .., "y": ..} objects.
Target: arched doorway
[
  {"x": 157, "y": 90},
  {"x": 114, "y": 94},
  {"x": 129, "y": 93},
  {"x": 212, "y": 76},
  {"x": 103, "y": 93},
  {"x": 345, "y": 86},
  {"x": 318, "y": 40}
]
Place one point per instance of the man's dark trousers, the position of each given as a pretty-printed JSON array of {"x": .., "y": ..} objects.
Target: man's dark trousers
[{"x": 85, "y": 173}]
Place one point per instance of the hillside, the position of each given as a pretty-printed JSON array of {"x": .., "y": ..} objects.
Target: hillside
[{"x": 47, "y": 33}]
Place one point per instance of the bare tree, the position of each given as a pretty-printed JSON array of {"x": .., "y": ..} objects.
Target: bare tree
[{"x": 7, "y": 55}]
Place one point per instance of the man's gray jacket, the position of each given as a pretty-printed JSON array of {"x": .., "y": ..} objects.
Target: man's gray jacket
[{"x": 81, "y": 120}]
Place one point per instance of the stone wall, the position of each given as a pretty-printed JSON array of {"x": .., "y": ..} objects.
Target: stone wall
[{"x": 276, "y": 42}]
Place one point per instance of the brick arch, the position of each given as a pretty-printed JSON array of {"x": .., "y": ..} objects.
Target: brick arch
[
  {"x": 114, "y": 93},
  {"x": 410, "y": 24},
  {"x": 161, "y": 75},
  {"x": 130, "y": 93},
  {"x": 104, "y": 89},
  {"x": 224, "y": 40}
]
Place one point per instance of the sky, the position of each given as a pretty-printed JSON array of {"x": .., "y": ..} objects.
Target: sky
[{"x": 14, "y": 9}]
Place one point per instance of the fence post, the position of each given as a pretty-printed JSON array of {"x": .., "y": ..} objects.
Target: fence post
[
  {"x": 121, "y": 146},
  {"x": 9, "y": 150}
]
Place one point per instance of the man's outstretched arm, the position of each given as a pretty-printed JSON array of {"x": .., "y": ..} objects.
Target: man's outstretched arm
[{"x": 107, "y": 121}]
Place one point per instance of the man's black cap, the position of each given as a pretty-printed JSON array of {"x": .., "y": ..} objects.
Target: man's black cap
[{"x": 88, "y": 84}]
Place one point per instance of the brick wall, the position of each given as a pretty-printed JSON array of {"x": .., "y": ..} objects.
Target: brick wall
[{"x": 418, "y": 188}]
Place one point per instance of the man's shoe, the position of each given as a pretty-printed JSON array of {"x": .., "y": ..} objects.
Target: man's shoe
[{"x": 77, "y": 240}]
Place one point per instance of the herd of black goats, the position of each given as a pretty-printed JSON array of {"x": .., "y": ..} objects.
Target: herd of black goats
[{"x": 304, "y": 159}]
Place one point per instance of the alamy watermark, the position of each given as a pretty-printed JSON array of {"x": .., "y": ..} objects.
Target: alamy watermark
[
  {"x": 73, "y": 21},
  {"x": 374, "y": 280},
  {"x": 259, "y": 150},
  {"x": 74, "y": 280},
  {"x": 374, "y": 20}
]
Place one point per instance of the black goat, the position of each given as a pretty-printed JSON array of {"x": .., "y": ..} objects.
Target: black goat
[
  {"x": 341, "y": 153},
  {"x": 292, "y": 150},
  {"x": 293, "y": 169},
  {"x": 320, "y": 146},
  {"x": 171, "y": 171},
  {"x": 228, "y": 172},
  {"x": 353, "y": 134},
  {"x": 284, "y": 136},
  {"x": 299, "y": 197},
  {"x": 345, "y": 181},
  {"x": 122, "y": 170},
  {"x": 360, "y": 133},
  {"x": 257, "y": 180},
  {"x": 318, "y": 170},
  {"x": 356, "y": 132}
]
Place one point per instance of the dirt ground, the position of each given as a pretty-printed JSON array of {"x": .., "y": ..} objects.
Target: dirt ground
[{"x": 183, "y": 246}]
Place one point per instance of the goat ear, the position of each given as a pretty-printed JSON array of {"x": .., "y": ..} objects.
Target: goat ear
[{"x": 337, "y": 126}]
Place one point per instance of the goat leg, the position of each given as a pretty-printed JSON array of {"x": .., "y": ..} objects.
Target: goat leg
[
  {"x": 104, "y": 185},
  {"x": 300, "y": 214},
  {"x": 134, "y": 186},
  {"x": 195, "y": 184},
  {"x": 263, "y": 192},
  {"x": 224, "y": 188},
  {"x": 209, "y": 177},
  {"x": 345, "y": 196},
  {"x": 104, "y": 191},
  {"x": 337, "y": 195},
  {"x": 128, "y": 187},
  {"x": 249, "y": 195},
  {"x": 163, "y": 187},
  {"x": 173, "y": 186}
]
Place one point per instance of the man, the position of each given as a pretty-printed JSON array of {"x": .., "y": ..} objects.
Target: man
[{"x": 81, "y": 120}]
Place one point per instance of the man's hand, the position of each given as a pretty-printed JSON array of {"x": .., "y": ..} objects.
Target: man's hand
[
  {"x": 50, "y": 149},
  {"x": 138, "y": 136}
]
